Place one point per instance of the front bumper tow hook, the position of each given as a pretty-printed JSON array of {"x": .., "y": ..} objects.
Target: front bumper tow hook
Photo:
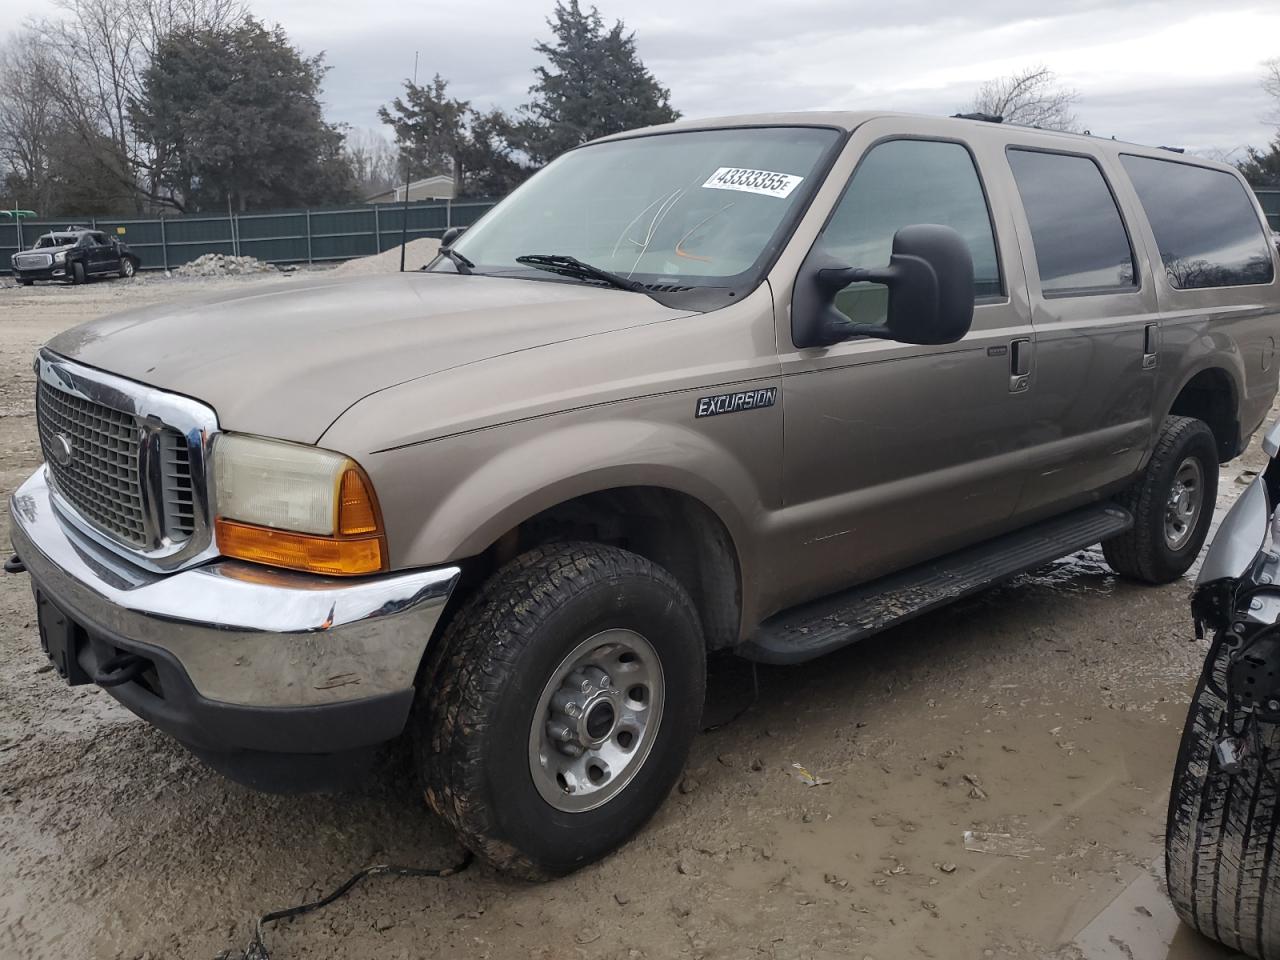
[
  {"x": 15, "y": 565},
  {"x": 1228, "y": 752}
]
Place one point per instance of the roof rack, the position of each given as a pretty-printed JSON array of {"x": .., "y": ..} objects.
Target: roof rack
[
  {"x": 1173, "y": 149},
  {"x": 984, "y": 117}
]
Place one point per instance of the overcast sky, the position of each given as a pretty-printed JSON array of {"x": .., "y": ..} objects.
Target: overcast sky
[{"x": 1173, "y": 72}]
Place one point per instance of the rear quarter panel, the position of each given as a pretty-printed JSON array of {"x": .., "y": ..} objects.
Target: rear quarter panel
[{"x": 1233, "y": 329}]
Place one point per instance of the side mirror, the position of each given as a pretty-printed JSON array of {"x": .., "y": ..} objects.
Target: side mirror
[
  {"x": 451, "y": 236},
  {"x": 930, "y": 281}
]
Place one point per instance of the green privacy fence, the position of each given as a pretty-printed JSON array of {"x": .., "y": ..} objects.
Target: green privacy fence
[
  {"x": 301, "y": 236},
  {"x": 285, "y": 236},
  {"x": 1270, "y": 200}
]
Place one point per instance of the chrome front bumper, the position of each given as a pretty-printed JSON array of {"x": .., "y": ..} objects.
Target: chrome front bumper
[{"x": 244, "y": 635}]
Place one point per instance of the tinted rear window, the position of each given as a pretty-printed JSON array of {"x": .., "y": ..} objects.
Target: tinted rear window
[
  {"x": 1080, "y": 241},
  {"x": 1204, "y": 223}
]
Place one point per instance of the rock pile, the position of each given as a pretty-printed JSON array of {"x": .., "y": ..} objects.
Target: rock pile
[{"x": 222, "y": 265}]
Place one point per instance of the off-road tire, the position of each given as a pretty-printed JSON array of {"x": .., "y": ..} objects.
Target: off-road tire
[
  {"x": 1142, "y": 553},
  {"x": 77, "y": 273},
  {"x": 1220, "y": 840},
  {"x": 481, "y": 687}
]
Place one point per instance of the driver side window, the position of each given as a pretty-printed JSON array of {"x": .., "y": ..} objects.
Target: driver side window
[{"x": 900, "y": 183}]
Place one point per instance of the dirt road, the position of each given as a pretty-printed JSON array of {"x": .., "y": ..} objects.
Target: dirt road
[{"x": 1042, "y": 717}]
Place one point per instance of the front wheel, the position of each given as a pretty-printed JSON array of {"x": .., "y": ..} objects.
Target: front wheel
[
  {"x": 1172, "y": 505},
  {"x": 77, "y": 273},
  {"x": 561, "y": 704}
]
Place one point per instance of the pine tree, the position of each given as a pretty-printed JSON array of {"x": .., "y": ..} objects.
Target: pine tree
[
  {"x": 440, "y": 134},
  {"x": 593, "y": 85},
  {"x": 1262, "y": 168}
]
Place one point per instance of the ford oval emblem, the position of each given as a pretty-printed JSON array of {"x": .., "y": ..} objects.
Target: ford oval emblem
[{"x": 61, "y": 449}]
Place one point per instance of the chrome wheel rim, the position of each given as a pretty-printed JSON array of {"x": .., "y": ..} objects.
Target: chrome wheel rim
[
  {"x": 1186, "y": 499},
  {"x": 128, "y": 268},
  {"x": 596, "y": 720}
]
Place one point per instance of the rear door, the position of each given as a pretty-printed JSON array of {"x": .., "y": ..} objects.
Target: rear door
[
  {"x": 1094, "y": 309},
  {"x": 895, "y": 453},
  {"x": 103, "y": 255}
]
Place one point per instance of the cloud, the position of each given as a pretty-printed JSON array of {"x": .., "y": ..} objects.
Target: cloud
[{"x": 1173, "y": 71}]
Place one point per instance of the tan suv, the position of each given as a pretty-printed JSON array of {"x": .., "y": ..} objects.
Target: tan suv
[{"x": 768, "y": 384}]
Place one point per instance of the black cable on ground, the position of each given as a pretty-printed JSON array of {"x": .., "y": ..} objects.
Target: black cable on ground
[
  {"x": 742, "y": 711},
  {"x": 257, "y": 948}
]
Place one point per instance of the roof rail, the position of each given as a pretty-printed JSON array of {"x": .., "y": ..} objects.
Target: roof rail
[
  {"x": 984, "y": 117},
  {"x": 1173, "y": 149}
]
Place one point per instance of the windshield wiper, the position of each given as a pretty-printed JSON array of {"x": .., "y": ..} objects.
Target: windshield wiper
[{"x": 568, "y": 266}]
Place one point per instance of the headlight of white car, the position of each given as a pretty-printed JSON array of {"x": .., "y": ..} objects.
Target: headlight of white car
[{"x": 291, "y": 505}]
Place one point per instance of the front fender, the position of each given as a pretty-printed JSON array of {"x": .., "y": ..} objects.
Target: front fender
[
  {"x": 1240, "y": 536},
  {"x": 1243, "y": 532},
  {"x": 451, "y": 499}
]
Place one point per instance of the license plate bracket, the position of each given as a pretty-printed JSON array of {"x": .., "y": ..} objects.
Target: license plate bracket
[{"x": 60, "y": 638}]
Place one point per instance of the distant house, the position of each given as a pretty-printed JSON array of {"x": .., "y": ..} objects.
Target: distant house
[{"x": 439, "y": 187}]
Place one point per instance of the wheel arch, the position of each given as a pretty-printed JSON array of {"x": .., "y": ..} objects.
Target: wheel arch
[
  {"x": 662, "y": 523},
  {"x": 1212, "y": 394}
]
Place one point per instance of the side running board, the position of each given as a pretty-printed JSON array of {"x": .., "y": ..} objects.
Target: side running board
[{"x": 820, "y": 626}]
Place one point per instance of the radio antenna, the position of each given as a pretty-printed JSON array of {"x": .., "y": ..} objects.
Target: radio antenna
[{"x": 404, "y": 209}]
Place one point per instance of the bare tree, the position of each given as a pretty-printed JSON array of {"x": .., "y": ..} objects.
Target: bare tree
[
  {"x": 374, "y": 161},
  {"x": 28, "y": 119},
  {"x": 1271, "y": 85},
  {"x": 1030, "y": 97},
  {"x": 103, "y": 47}
]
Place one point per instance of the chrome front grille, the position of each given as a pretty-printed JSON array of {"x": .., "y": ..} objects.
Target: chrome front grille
[
  {"x": 177, "y": 492},
  {"x": 127, "y": 462},
  {"x": 92, "y": 453},
  {"x": 32, "y": 261}
]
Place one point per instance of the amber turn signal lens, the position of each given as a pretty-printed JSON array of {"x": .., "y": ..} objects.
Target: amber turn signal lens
[
  {"x": 357, "y": 512},
  {"x": 300, "y": 551}
]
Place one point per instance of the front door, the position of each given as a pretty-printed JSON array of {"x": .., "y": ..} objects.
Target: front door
[{"x": 896, "y": 453}]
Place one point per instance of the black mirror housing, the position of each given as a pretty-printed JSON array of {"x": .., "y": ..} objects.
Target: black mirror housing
[{"x": 930, "y": 281}]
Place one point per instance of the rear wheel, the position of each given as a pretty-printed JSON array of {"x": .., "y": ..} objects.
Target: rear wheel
[
  {"x": 127, "y": 268},
  {"x": 1172, "y": 505},
  {"x": 1220, "y": 841},
  {"x": 26, "y": 283},
  {"x": 561, "y": 705}
]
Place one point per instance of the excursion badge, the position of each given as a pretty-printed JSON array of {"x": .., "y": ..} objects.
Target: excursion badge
[{"x": 735, "y": 402}]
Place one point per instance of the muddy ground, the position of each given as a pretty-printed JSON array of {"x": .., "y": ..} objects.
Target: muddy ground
[{"x": 1048, "y": 710}]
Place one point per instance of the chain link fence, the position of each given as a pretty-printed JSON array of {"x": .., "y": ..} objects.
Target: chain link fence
[{"x": 285, "y": 236}]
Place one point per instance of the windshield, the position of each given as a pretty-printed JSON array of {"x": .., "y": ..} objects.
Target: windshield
[
  {"x": 701, "y": 209},
  {"x": 54, "y": 240}
]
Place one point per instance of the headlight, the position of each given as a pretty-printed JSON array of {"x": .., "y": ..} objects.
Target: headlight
[
  {"x": 290, "y": 505},
  {"x": 59, "y": 256}
]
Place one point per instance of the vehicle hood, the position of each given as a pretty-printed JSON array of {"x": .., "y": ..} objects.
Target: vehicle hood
[{"x": 285, "y": 358}]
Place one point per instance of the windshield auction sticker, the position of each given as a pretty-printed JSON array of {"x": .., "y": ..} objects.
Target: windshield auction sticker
[{"x": 753, "y": 181}]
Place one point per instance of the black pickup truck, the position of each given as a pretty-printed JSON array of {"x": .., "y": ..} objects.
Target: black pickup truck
[{"x": 74, "y": 255}]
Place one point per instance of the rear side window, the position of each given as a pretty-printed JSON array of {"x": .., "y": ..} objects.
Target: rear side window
[
  {"x": 1206, "y": 227},
  {"x": 1080, "y": 241}
]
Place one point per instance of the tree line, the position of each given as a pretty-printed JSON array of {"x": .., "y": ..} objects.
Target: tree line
[
  {"x": 115, "y": 106},
  {"x": 138, "y": 106}
]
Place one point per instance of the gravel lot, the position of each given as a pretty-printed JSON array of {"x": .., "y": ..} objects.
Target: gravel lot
[{"x": 1048, "y": 710}]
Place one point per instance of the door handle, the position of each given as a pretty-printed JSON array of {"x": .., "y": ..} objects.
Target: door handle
[
  {"x": 1151, "y": 346},
  {"x": 1019, "y": 366}
]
